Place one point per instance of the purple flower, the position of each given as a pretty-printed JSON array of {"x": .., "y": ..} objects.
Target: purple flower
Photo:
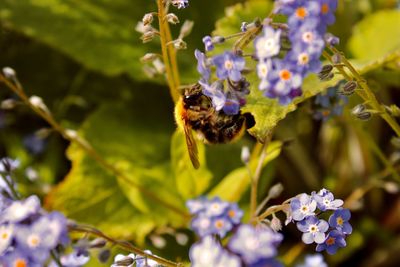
[
  {"x": 283, "y": 81},
  {"x": 216, "y": 207},
  {"x": 302, "y": 206},
  {"x": 301, "y": 12},
  {"x": 235, "y": 214},
  {"x": 227, "y": 259},
  {"x": 339, "y": 220},
  {"x": 254, "y": 244},
  {"x": 330, "y": 104},
  {"x": 313, "y": 230},
  {"x": 308, "y": 36},
  {"x": 144, "y": 262},
  {"x": 21, "y": 210},
  {"x": 202, "y": 66},
  {"x": 18, "y": 258},
  {"x": 325, "y": 200},
  {"x": 316, "y": 260},
  {"x": 205, "y": 253},
  {"x": 327, "y": 10},
  {"x": 271, "y": 262},
  {"x": 180, "y": 3},
  {"x": 229, "y": 66},
  {"x": 40, "y": 237},
  {"x": 268, "y": 44},
  {"x": 333, "y": 241},
  {"x": 232, "y": 105},
  {"x": 221, "y": 226},
  {"x": 208, "y": 43},
  {"x": 197, "y": 205},
  {"x": 304, "y": 61},
  {"x": 215, "y": 92},
  {"x": 202, "y": 225},
  {"x": 6, "y": 236}
]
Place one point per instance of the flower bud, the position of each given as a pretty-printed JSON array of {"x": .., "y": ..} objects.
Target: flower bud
[
  {"x": 8, "y": 104},
  {"x": 337, "y": 58},
  {"x": 126, "y": 261},
  {"x": 159, "y": 65},
  {"x": 97, "y": 243},
  {"x": 148, "y": 36},
  {"x": 275, "y": 190},
  {"x": 186, "y": 28},
  {"x": 172, "y": 18},
  {"x": 325, "y": 76},
  {"x": 348, "y": 88},
  {"x": 391, "y": 187},
  {"x": 245, "y": 155},
  {"x": 179, "y": 44},
  {"x": 147, "y": 19},
  {"x": 9, "y": 73},
  {"x": 37, "y": 102},
  {"x": 360, "y": 112},
  {"x": 148, "y": 57},
  {"x": 331, "y": 39},
  {"x": 276, "y": 224},
  {"x": 104, "y": 255}
]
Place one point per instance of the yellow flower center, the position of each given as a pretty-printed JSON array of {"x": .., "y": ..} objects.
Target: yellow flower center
[
  {"x": 339, "y": 220},
  {"x": 228, "y": 64},
  {"x": 286, "y": 75},
  {"x": 20, "y": 263},
  {"x": 219, "y": 224},
  {"x": 303, "y": 59},
  {"x": 330, "y": 241},
  {"x": 301, "y": 12},
  {"x": 325, "y": 8}
]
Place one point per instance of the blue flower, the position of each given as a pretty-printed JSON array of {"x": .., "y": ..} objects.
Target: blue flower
[
  {"x": 327, "y": 10},
  {"x": 316, "y": 260},
  {"x": 271, "y": 262},
  {"x": 208, "y": 43},
  {"x": 7, "y": 234},
  {"x": 227, "y": 259},
  {"x": 202, "y": 225},
  {"x": 180, "y": 3},
  {"x": 313, "y": 230},
  {"x": 221, "y": 226},
  {"x": 18, "y": 258},
  {"x": 21, "y": 210},
  {"x": 197, "y": 205},
  {"x": 301, "y": 12},
  {"x": 216, "y": 207},
  {"x": 304, "y": 61},
  {"x": 235, "y": 214},
  {"x": 207, "y": 252},
  {"x": 339, "y": 220},
  {"x": 216, "y": 92},
  {"x": 254, "y": 244},
  {"x": 326, "y": 201},
  {"x": 330, "y": 104},
  {"x": 268, "y": 44},
  {"x": 202, "y": 66},
  {"x": 144, "y": 262},
  {"x": 284, "y": 81},
  {"x": 74, "y": 259},
  {"x": 302, "y": 206},
  {"x": 333, "y": 241},
  {"x": 308, "y": 36},
  {"x": 229, "y": 66}
]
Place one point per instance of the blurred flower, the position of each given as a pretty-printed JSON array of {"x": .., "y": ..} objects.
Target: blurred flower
[
  {"x": 325, "y": 200},
  {"x": 254, "y": 244},
  {"x": 268, "y": 44},
  {"x": 205, "y": 253},
  {"x": 316, "y": 260}
]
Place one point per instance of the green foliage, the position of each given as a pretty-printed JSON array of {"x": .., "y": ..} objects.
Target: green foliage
[
  {"x": 376, "y": 36},
  {"x": 189, "y": 181},
  {"x": 137, "y": 144}
]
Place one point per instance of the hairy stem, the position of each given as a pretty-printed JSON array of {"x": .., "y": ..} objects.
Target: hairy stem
[
  {"x": 168, "y": 53},
  {"x": 122, "y": 244}
]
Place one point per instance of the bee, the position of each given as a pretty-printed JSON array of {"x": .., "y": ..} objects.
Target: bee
[{"x": 194, "y": 111}]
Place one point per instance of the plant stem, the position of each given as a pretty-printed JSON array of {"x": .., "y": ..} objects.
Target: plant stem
[
  {"x": 55, "y": 258},
  {"x": 83, "y": 144},
  {"x": 122, "y": 244},
  {"x": 168, "y": 53},
  {"x": 256, "y": 177}
]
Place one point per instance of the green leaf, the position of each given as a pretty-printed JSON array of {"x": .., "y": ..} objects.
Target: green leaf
[
  {"x": 376, "y": 35},
  {"x": 189, "y": 181},
  {"x": 98, "y": 34},
  {"x": 237, "y": 182},
  {"x": 136, "y": 143}
]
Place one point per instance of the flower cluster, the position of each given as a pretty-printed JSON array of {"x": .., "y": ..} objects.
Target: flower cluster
[
  {"x": 281, "y": 77},
  {"x": 303, "y": 210},
  {"x": 214, "y": 216},
  {"x": 28, "y": 234},
  {"x": 248, "y": 245},
  {"x": 228, "y": 92},
  {"x": 329, "y": 104}
]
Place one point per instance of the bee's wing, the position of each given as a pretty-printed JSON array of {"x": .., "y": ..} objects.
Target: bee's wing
[{"x": 192, "y": 146}]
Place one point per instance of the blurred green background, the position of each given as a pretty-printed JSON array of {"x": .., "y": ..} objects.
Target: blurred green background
[{"x": 82, "y": 58}]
